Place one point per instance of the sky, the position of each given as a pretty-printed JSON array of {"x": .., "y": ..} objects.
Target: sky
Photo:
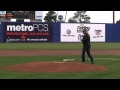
[{"x": 96, "y": 16}]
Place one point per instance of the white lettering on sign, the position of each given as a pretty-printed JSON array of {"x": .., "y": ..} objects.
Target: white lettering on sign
[{"x": 22, "y": 27}]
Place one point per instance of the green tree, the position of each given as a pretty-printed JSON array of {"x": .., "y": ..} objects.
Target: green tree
[
  {"x": 51, "y": 16},
  {"x": 71, "y": 20},
  {"x": 81, "y": 17},
  {"x": 118, "y": 22}
]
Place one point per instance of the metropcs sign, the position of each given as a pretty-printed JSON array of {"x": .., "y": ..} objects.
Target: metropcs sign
[{"x": 23, "y": 27}]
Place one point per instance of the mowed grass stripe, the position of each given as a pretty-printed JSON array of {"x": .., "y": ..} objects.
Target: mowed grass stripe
[{"x": 57, "y": 46}]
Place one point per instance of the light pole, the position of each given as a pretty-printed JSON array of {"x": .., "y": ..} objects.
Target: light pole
[
  {"x": 65, "y": 15},
  {"x": 113, "y": 17}
]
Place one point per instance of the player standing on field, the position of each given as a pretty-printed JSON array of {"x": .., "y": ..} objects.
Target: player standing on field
[{"x": 86, "y": 46}]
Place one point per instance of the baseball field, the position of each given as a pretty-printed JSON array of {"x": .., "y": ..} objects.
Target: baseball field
[{"x": 45, "y": 61}]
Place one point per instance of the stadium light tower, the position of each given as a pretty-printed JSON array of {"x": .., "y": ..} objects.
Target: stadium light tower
[
  {"x": 65, "y": 15},
  {"x": 113, "y": 17}
]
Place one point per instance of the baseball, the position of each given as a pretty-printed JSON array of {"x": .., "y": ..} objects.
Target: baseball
[{"x": 81, "y": 37}]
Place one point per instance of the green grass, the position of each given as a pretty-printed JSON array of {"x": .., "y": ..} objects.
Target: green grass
[
  {"x": 112, "y": 73},
  {"x": 113, "y": 65},
  {"x": 56, "y": 46}
]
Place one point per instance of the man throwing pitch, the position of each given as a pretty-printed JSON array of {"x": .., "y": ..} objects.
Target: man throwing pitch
[{"x": 86, "y": 46}]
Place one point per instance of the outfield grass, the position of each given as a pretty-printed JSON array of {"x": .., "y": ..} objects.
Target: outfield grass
[
  {"x": 112, "y": 73},
  {"x": 57, "y": 46}
]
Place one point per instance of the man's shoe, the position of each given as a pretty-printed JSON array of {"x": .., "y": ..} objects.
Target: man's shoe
[{"x": 92, "y": 62}]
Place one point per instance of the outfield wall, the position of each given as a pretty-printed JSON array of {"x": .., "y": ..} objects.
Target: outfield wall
[
  {"x": 57, "y": 32},
  {"x": 112, "y": 33}
]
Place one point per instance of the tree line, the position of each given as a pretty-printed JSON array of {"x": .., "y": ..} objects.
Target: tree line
[{"x": 79, "y": 17}]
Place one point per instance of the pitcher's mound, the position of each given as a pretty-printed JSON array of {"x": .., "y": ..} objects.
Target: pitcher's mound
[{"x": 55, "y": 67}]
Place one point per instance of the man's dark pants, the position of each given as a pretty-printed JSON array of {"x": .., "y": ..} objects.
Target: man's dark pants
[{"x": 86, "y": 49}]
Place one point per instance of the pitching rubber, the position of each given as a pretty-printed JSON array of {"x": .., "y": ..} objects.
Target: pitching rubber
[
  {"x": 69, "y": 59},
  {"x": 65, "y": 60}
]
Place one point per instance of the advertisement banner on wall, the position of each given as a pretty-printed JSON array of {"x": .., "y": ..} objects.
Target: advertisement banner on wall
[
  {"x": 72, "y": 32},
  {"x": 27, "y": 32}
]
